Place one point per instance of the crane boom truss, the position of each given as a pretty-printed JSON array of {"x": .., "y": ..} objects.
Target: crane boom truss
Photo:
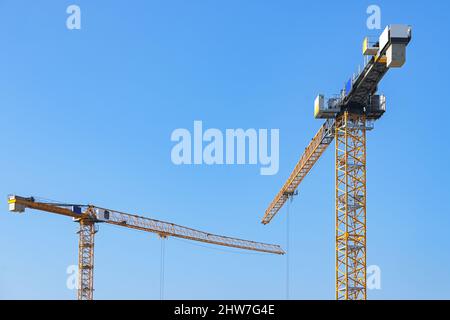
[
  {"x": 174, "y": 230},
  {"x": 312, "y": 153}
]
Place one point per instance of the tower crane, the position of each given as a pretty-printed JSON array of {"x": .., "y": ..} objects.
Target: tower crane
[
  {"x": 347, "y": 118},
  {"x": 89, "y": 215}
]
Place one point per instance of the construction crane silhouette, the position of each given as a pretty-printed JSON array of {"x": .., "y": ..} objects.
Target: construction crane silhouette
[
  {"x": 89, "y": 215},
  {"x": 348, "y": 116}
]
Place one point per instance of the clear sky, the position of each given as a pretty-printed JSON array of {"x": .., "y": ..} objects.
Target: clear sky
[{"x": 87, "y": 117}]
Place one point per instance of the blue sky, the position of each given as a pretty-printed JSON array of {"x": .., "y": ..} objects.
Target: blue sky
[{"x": 87, "y": 117}]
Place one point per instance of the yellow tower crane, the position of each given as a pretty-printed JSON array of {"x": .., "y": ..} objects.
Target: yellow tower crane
[
  {"x": 89, "y": 215},
  {"x": 348, "y": 116}
]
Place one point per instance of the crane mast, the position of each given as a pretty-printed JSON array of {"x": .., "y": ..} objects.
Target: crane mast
[
  {"x": 89, "y": 215},
  {"x": 348, "y": 116},
  {"x": 350, "y": 157}
]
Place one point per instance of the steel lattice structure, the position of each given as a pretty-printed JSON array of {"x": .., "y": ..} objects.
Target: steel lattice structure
[
  {"x": 348, "y": 116},
  {"x": 86, "y": 260},
  {"x": 312, "y": 153},
  {"x": 350, "y": 135},
  {"x": 88, "y": 216}
]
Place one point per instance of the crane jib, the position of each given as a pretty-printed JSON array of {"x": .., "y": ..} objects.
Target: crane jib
[
  {"x": 312, "y": 153},
  {"x": 91, "y": 214}
]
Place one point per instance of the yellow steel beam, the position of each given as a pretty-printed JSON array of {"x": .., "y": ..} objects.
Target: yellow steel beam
[
  {"x": 350, "y": 135},
  {"x": 171, "y": 229},
  {"x": 312, "y": 153},
  {"x": 86, "y": 260},
  {"x": 42, "y": 206}
]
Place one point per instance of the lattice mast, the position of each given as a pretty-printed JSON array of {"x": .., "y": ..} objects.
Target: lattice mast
[{"x": 350, "y": 158}]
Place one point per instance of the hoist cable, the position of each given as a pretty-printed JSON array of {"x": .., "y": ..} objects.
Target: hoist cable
[
  {"x": 161, "y": 275},
  {"x": 287, "y": 247}
]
